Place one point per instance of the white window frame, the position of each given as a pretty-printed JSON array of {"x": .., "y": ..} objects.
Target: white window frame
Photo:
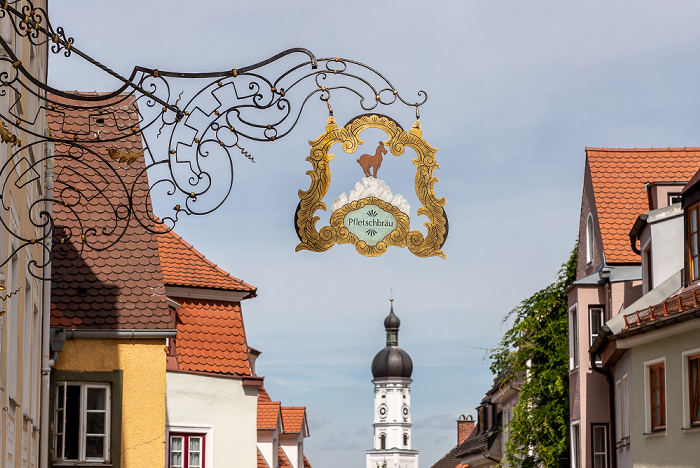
[
  {"x": 647, "y": 268},
  {"x": 573, "y": 338},
  {"x": 625, "y": 410},
  {"x": 59, "y": 452},
  {"x": 589, "y": 238},
  {"x": 597, "y": 310},
  {"x": 618, "y": 413},
  {"x": 604, "y": 427},
  {"x": 647, "y": 395},
  {"x": 686, "y": 386},
  {"x": 576, "y": 444},
  {"x": 200, "y": 429}
]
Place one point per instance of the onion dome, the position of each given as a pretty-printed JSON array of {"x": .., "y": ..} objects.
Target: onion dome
[{"x": 392, "y": 361}]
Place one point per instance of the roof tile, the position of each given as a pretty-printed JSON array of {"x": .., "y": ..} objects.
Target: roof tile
[
  {"x": 198, "y": 329},
  {"x": 293, "y": 418},
  {"x": 618, "y": 177},
  {"x": 268, "y": 415},
  {"x": 183, "y": 265}
]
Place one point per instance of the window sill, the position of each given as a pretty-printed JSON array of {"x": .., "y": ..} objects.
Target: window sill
[
  {"x": 80, "y": 464},
  {"x": 654, "y": 434},
  {"x": 691, "y": 429}
]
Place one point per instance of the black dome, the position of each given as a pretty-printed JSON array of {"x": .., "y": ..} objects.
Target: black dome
[
  {"x": 392, "y": 361},
  {"x": 391, "y": 320}
]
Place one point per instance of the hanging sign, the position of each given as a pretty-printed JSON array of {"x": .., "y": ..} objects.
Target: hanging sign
[{"x": 371, "y": 217}]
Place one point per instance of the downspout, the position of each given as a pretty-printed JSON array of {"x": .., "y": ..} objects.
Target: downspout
[
  {"x": 46, "y": 361},
  {"x": 593, "y": 352},
  {"x": 599, "y": 343}
]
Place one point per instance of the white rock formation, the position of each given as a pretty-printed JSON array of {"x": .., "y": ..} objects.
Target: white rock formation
[{"x": 372, "y": 187}]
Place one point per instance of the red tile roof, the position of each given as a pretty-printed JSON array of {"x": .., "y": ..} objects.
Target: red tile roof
[
  {"x": 261, "y": 461},
  {"x": 183, "y": 265},
  {"x": 268, "y": 414},
  {"x": 114, "y": 283},
  {"x": 618, "y": 177},
  {"x": 211, "y": 337},
  {"x": 293, "y": 418},
  {"x": 263, "y": 395},
  {"x": 306, "y": 463},
  {"x": 282, "y": 460}
]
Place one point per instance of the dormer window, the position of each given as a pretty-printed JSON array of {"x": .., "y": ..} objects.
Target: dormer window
[
  {"x": 693, "y": 247},
  {"x": 589, "y": 239}
]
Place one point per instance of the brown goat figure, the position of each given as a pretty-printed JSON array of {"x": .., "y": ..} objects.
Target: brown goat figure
[{"x": 372, "y": 160}]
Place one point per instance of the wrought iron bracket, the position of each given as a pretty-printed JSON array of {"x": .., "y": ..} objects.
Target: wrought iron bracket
[{"x": 204, "y": 132}]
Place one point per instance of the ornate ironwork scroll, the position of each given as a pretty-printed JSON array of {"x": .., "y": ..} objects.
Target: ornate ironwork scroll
[
  {"x": 311, "y": 238},
  {"x": 203, "y": 132}
]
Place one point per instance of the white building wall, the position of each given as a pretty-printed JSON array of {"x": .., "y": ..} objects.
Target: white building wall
[
  {"x": 665, "y": 232},
  {"x": 222, "y": 408}
]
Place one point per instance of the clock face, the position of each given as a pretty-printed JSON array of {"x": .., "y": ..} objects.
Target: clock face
[
  {"x": 405, "y": 410},
  {"x": 382, "y": 411}
]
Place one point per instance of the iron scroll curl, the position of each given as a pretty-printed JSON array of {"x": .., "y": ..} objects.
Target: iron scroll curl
[{"x": 194, "y": 170}]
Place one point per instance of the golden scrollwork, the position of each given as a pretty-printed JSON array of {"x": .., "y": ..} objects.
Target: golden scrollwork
[
  {"x": 396, "y": 237},
  {"x": 311, "y": 200},
  {"x": 127, "y": 158},
  {"x": 8, "y": 137}
]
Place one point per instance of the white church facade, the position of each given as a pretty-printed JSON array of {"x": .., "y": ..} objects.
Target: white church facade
[{"x": 392, "y": 368}]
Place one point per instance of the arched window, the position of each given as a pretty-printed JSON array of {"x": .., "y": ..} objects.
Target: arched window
[
  {"x": 589, "y": 238},
  {"x": 405, "y": 440},
  {"x": 382, "y": 441}
]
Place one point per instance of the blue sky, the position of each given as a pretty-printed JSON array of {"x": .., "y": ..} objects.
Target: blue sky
[{"x": 516, "y": 90}]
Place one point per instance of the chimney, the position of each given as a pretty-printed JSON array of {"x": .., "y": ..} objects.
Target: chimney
[{"x": 465, "y": 427}]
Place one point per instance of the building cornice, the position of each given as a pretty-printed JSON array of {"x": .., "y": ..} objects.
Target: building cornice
[
  {"x": 131, "y": 334},
  {"x": 207, "y": 294}
]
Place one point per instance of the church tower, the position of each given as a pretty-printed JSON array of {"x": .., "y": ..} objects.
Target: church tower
[{"x": 392, "y": 368}]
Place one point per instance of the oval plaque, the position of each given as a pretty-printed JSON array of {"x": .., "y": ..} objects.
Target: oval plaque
[{"x": 370, "y": 223}]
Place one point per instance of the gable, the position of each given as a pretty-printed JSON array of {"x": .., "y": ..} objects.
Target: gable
[{"x": 618, "y": 179}]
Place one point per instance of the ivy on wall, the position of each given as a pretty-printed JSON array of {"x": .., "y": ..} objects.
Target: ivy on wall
[{"x": 536, "y": 348}]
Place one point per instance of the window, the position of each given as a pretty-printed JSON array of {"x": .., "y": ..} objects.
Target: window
[
  {"x": 405, "y": 440},
  {"x": 674, "y": 197},
  {"x": 694, "y": 388},
  {"x": 625, "y": 411},
  {"x": 382, "y": 441},
  {"x": 82, "y": 422},
  {"x": 573, "y": 338},
  {"x": 648, "y": 269},
  {"x": 595, "y": 324},
  {"x": 597, "y": 319},
  {"x": 576, "y": 444},
  {"x": 657, "y": 396},
  {"x": 600, "y": 445},
  {"x": 186, "y": 450},
  {"x": 693, "y": 248},
  {"x": 86, "y": 408},
  {"x": 589, "y": 239},
  {"x": 691, "y": 391}
]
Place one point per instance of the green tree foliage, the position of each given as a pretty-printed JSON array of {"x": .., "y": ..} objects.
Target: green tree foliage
[{"x": 536, "y": 348}]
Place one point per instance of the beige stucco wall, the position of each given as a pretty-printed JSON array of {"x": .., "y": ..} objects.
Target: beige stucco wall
[
  {"x": 20, "y": 329},
  {"x": 675, "y": 447},
  {"x": 143, "y": 404}
]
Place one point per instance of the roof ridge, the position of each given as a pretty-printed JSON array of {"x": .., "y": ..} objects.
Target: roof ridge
[{"x": 652, "y": 149}]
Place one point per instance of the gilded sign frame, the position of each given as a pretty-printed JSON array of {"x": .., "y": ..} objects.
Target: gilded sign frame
[{"x": 311, "y": 200}]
